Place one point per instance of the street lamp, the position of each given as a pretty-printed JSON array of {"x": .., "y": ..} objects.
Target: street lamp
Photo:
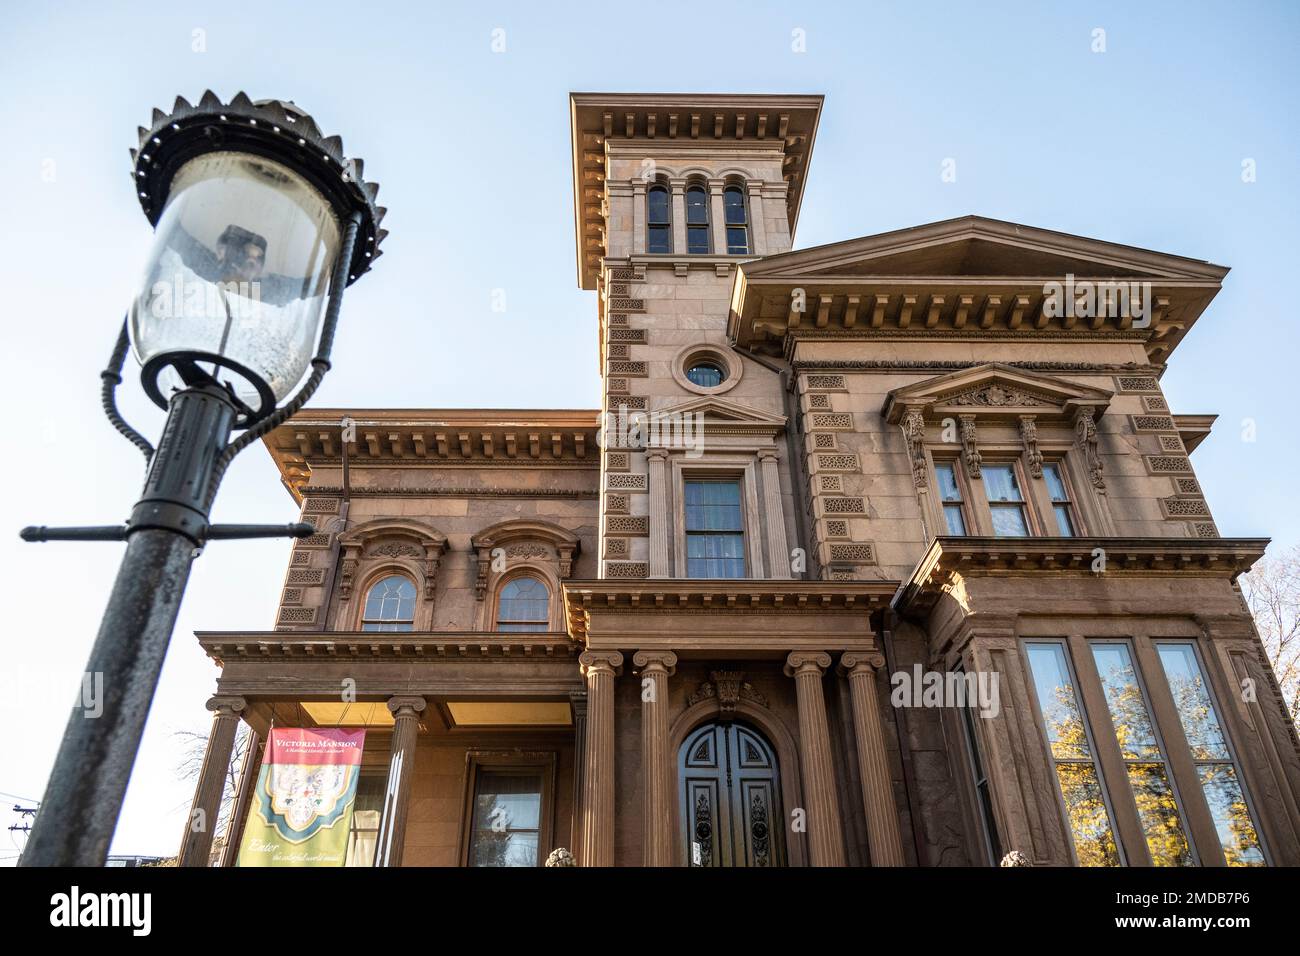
[{"x": 260, "y": 222}]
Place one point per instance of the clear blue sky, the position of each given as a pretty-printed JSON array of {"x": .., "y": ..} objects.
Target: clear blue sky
[{"x": 1141, "y": 144}]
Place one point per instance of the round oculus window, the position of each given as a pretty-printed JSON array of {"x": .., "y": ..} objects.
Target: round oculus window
[{"x": 705, "y": 374}]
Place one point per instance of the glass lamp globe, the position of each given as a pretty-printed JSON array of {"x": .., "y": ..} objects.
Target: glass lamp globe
[{"x": 237, "y": 279}]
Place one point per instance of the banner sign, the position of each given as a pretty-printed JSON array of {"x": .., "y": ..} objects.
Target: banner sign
[{"x": 301, "y": 811}]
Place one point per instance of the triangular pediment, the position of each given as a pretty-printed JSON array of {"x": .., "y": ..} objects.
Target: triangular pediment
[
  {"x": 721, "y": 410},
  {"x": 995, "y": 389},
  {"x": 977, "y": 247}
]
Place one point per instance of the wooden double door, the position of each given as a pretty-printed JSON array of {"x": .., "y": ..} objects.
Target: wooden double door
[{"x": 730, "y": 792}]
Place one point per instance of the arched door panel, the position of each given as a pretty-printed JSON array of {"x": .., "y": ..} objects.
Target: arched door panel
[{"x": 730, "y": 798}]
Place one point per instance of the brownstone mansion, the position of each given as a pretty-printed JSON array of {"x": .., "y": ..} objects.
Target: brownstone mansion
[{"x": 886, "y": 552}]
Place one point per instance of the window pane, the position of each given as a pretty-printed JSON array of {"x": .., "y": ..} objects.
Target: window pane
[
  {"x": 1055, "y": 486},
  {"x": 697, "y": 240},
  {"x": 697, "y": 206},
  {"x": 1094, "y": 840},
  {"x": 657, "y": 202},
  {"x": 737, "y": 240},
  {"x": 524, "y": 605},
  {"x": 705, "y": 375},
  {"x": 948, "y": 488},
  {"x": 366, "y": 811},
  {"x": 1066, "y": 736},
  {"x": 1000, "y": 483},
  {"x": 507, "y": 820},
  {"x": 733, "y": 200},
  {"x": 390, "y": 605},
  {"x": 713, "y": 506},
  {"x": 1009, "y": 521},
  {"x": 1157, "y": 808},
  {"x": 955, "y": 519},
  {"x": 660, "y": 239},
  {"x": 1231, "y": 815},
  {"x": 1192, "y": 698},
  {"x": 1064, "y": 523}
]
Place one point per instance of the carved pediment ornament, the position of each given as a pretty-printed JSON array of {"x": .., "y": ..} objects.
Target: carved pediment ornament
[
  {"x": 995, "y": 395},
  {"x": 391, "y": 539},
  {"x": 522, "y": 540},
  {"x": 728, "y": 688}
]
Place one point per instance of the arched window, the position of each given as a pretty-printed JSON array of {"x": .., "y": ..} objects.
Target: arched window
[
  {"x": 390, "y": 605},
  {"x": 524, "y": 604},
  {"x": 658, "y": 220},
  {"x": 697, "y": 220},
  {"x": 733, "y": 201}
]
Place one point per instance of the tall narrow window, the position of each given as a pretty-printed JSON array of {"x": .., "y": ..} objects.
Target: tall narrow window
[
  {"x": 954, "y": 510},
  {"x": 524, "y": 605},
  {"x": 697, "y": 221},
  {"x": 1062, "y": 509},
  {"x": 733, "y": 201},
  {"x": 1073, "y": 760},
  {"x": 507, "y": 821},
  {"x": 1144, "y": 759},
  {"x": 658, "y": 220},
  {"x": 1215, "y": 766},
  {"x": 390, "y": 605},
  {"x": 364, "y": 832},
  {"x": 983, "y": 795},
  {"x": 1005, "y": 501},
  {"x": 715, "y": 530}
]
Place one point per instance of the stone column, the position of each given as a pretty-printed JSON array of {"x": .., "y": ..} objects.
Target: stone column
[
  {"x": 717, "y": 218},
  {"x": 656, "y": 761},
  {"x": 248, "y": 774},
  {"x": 825, "y": 830},
  {"x": 638, "y": 216},
  {"x": 599, "y": 668},
  {"x": 196, "y": 844},
  {"x": 873, "y": 765},
  {"x": 778, "y": 551},
  {"x": 678, "y": 187},
  {"x": 660, "y": 519},
  {"x": 578, "y": 703},
  {"x": 397, "y": 795}
]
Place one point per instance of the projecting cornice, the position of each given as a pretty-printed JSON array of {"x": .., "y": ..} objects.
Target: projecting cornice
[
  {"x": 969, "y": 277},
  {"x": 713, "y": 617},
  {"x": 949, "y": 558},
  {"x": 688, "y": 120},
  {"x": 273, "y": 646},
  {"x": 445, "y": 437}
]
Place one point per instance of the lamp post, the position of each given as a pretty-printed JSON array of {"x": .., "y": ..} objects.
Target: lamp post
[{"x": 260, "y": 222}]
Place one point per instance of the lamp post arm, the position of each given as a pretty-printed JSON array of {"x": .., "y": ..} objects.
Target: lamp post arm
[{"x": 111, "y": 378}]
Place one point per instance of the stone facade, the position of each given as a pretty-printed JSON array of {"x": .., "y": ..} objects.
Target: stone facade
[{"x": 936, "y": 470}]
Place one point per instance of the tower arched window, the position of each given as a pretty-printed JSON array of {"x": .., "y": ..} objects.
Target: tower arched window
[
  {"x": 697, "y": 220},
  {"x": 524, "y": 604},
  {"x": 390, "y": 605},
  {"x": 659, "y": 220},
  {"x": 733, "y": 203}
]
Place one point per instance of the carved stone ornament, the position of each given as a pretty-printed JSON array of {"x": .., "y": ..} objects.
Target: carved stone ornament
[
  {"x": 1015, "y": 858},
  {"x": 1029, "y": 435},
  {"x": 914, "y": 432},
  {"x": 728, "y": 688},
  {"x": 561, "y": 857},
  {"x": 998, "y": 396},
  {"x": 1085, "y": 437},
  {"x": 970, "y": 450}
]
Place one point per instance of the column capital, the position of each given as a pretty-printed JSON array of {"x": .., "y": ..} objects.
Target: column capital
[
  {"x": 805, "y": 662},
  {"x": 656, "y": 661},
  {"x": 767, "y": 454},
  {"x": 406, "y": 706},
  {"x": 226, "y": 706},
  {"x": 861, "y": 662},
  {"x": 656, "y": 453},
  {"x": 608, "y": 661}
]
